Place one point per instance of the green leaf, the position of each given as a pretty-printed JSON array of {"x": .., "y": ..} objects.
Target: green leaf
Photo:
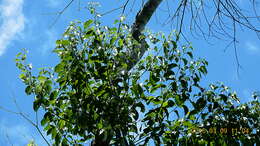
[
  {"x": 153, "y": 78},
  {"x": 44, "y": 121},
  {"x": 58, "y": 68},
  {"x": 190, "y": 54},
  {"x": 36, "y": 104},
  {"x": 178, "y": 100},
  {"x": 223, "y": 97},
  {"x": 171, "y": 103},
  {"x": 62, "y": 42},
  {"x": 174, "y": 44},
  {"x": 172, "y": 65},
  {"x": 88, "y": 23},
  {"x": 112, "y": 41},
  {"x": 193, "y": 112},
  {"x": 23, "y": 77},
  {"x": 120, "y": 43},
  {"x": 203, "y": 69},
  {"x": 185, "y": 61},
  {"x": 49, "y": 131},
  {"x": 18, "y": 55},
  {"x": 184, "y": 83},
  {"x": 174, "y": 86},
  {"x": 135, "y": 114},
  {"x": 53, "y": 94},
  {"x": 157, "y": 101},
  {"x": 57, "y": 138},
  {"x": 42, "y": 78},
  {"x": 165, "y": 104},
  {"x": 23, "y": 57},
  {"x": 64, "y": 142},
  {"x": 215, "y": 105},
  {"x": 201, "y": 102},
  {"x": 28, "y": 90},
  {"x": 154, "y": 88}
]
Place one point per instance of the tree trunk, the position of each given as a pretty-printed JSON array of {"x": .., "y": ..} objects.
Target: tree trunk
[
  {"x": 141, "y": 19},
  {"x": 99, "y": 141},
  {"x": 136, "y": 53}
]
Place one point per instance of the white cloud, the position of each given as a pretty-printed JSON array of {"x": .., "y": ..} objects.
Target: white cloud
[
  {"x": 252, "y": 48},
  {"x": 13, "y": 21}
]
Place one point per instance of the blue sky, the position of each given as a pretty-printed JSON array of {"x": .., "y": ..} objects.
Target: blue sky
[{"x": 28, "y": 24}]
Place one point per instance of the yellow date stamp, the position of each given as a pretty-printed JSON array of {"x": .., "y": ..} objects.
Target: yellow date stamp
[{"x": 222, "y": 130}]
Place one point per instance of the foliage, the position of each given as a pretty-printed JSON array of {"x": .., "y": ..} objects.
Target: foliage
[
  {"x": 31, "y": 143},
  {"x": 92, "y": 94}
]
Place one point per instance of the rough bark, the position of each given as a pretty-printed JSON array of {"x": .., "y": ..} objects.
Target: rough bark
[{"x": 142, "y": 18}]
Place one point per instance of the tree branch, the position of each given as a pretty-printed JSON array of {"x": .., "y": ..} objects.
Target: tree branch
[{"x": 141, "y": 19}]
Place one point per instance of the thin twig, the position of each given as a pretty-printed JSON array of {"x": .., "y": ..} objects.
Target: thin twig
[{"x": 60, "y": 13}]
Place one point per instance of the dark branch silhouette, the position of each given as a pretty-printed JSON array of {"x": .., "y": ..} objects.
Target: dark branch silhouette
[{"x": 218, "y": 19}]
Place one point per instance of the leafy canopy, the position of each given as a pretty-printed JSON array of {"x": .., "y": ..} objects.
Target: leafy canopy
[{"x": 92, "y": 94}]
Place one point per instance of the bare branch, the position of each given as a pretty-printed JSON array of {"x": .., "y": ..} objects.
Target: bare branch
[
  {"x": 61, "y": 12},
  {"x": 20, "y": 113}
]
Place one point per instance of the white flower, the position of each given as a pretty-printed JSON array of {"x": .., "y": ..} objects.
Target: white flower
[
  {"x": 123, "y": 72},
  {"x": 122, "y": 18},
  {"x": 30, "y": 66}
]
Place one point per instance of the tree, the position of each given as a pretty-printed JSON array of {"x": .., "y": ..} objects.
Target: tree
[
  {"x": 106, "y": 91},
  {"x": 100, "y": 92}
]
